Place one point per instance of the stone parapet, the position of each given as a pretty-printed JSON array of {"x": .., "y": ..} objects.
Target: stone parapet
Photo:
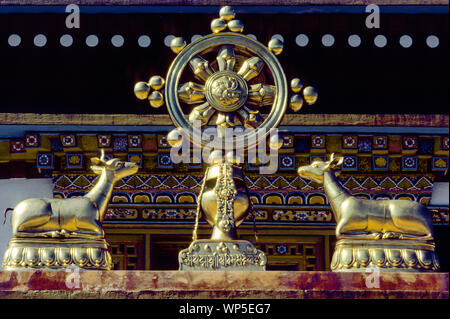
[{"x": 222, "y": 284}]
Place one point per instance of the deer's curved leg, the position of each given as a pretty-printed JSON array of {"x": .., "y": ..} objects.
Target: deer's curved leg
[
  {"x": 412, "y": 220},
  {"x": 88, "y": 227}
]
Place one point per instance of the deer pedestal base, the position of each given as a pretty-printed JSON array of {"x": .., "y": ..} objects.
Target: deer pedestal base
[
  {"x": 386, "y": 255},
  {"x": 56, "y": 254},
  {"x": 207, "y": 254}
]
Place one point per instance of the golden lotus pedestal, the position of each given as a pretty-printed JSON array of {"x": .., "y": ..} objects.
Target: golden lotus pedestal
[
  {"x": 353, "y": 255},
  {"x": 56, "y": 254},
  {"x": 207, "y": 254}
]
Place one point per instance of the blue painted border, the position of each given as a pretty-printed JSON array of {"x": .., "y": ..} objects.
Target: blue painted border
[{"x": 8, "y": 131}]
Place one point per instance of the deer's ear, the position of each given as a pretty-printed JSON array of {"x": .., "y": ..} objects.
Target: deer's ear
[
  {"x": 332, "y": 157},
  {"x": 335, "y": 162}
]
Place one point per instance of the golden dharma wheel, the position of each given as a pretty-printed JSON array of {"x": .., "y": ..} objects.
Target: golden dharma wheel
[{"x": 228, "y": 86}]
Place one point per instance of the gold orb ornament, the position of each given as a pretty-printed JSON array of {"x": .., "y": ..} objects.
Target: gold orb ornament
[
  {"x": 156, "y": 82},
  {"x": 296, "y": 103},
  {"x": 276, "y": 46},
  {"x": 175, "y": 138},
  {"x": 177, "y": 44},
  {"x": 156, "y": 99},
  {"x": 227, "y": 13},
  {"x": 275, "y": 142},
  {"x": 310, "y": 94},
  {"x": 141, "y": 90},
  {"x": 296, "y": 85},
  {"x": 216, "y": 157},
  {"x": 233, "y": 158},
  {"x": 236, "y": 26},
  {"x": 218, "y": 25}
]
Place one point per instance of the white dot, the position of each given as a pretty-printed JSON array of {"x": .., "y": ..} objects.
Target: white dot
[
  {"x": 144, "y": 41},
  {"x": 14, "y": 40},
  {"x": 91, "y": 40},
  {"x": 380, "y": 41},
  {"x": 278, "y": 36},
  {"x": 195, "y": 37},
  {"x": 117, "y": 40},
  {"x": 40, "y": 40},
  {"x": 252, "y": 36},
  {"x": 302, "y": 40},
  {"x": 406, "y": 41},
  {"x": 328, "y": 40},
  {"x": 168, "y": 39},
  {"x": 66, "y": 40},
  {"x": 354, "y": 40},
  {"x": 432, "y": 41}
]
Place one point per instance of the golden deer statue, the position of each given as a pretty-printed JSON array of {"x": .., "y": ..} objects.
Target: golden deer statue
[
  {"x": 53, "y": 233},
  {"x": 381, "y": 224}
]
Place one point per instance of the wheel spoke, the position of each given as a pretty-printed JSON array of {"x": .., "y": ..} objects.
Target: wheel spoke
[
  {"x": 225, "y": 120},
  {"x": 261, "y": 94},
  {"x": 226, "y": 58},
  {"x": 201, "y": 68},
  {"x": 250, "y": 116},
  {"x": 201, "y": 113},
  {"x": 251, "y": 68},
  {"x": 191, "y": 93}
]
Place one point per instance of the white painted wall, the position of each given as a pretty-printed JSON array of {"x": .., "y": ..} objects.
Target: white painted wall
[
  {"x": 440, "y": 196},
  {"x": 13, "y": 191}
]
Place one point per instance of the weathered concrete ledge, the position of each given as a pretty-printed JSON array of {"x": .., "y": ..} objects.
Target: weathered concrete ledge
[{"x": 223, "y": 284}]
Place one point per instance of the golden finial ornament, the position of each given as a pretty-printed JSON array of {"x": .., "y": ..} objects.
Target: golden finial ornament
[
  {"x": 156, "y": 99},
  {"x": 223, "y": 79},
  {"x": 296, "y": 85},
  {"x": 156, "y": 82},
  {"x": 275, "y": 142},
  {"x": 296, "y": 102},
  {"x": 310, "y": 94},
  {"x": 216, "y": 157},
  {"x": 177, "y": 44},
  {"x": 227, "y": 13},
  {"x": 218, "y": 25},
  {"x": 141, "y": 90},
  {"x": 174, "y": 138},
  {"x": 236, "y": 26},
  {"x": 276, "y": 46}
]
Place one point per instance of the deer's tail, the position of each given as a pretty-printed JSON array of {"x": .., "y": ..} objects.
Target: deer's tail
[{"x": 4, "y": 214}]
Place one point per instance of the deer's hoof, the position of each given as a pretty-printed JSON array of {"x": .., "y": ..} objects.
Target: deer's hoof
[
  {"x": 391, "y": 235},
  {"x": 377, "y": 235}
]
